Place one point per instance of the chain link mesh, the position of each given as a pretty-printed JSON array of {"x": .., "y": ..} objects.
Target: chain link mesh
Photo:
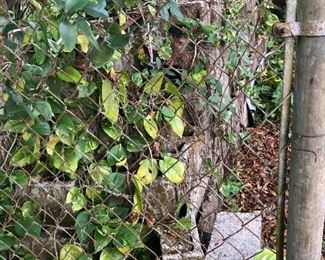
[{"x": 138, "y": 129}]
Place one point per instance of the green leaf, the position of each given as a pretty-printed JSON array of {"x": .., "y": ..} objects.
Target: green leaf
[
  {"x": 101, "y": 56},
  {"x": 97, "y": 9},
  {"x": 177, "y": 125},
  {"x": 101, "y": 241},
  {"x": 68, "y": 34},
  {"x": 29, "y": 209},
  {"x": 76, "y": 198},
  {"x": 27, "y": 225},
  {"x": 127, "y": 238},
  {"x": 118, "y": 41},
  {"x": 6, "y": 242},
  {"x": 137, "y": 79},
  {"x": 147, "y": 171},
  {"x": 171, "y": 88},
  {"x": 153, "y": 86},
  {"x": 44, "y": 108},
  {"x": 135, "y": 143},
  {"x": 72, "y": 6},
  {"x": 99, "y": 172},
  {"x": 111, "y": 254},
  {"x": 67, "y": 161},
  {"x": 85, "y": 90},
  {"x": 173, "y": 169},
  {"x": 66, "y": 130},
  {"x": 110, "y": 101},
  {"x": 90, "y": 143},
  {"x": 23, "y": 157},
  {"x": 116, "y": 156},
  {"x": 113, "y": 131},
  {"x": 84, "y": 26},
  {"x": 265, "y": 254},
  {"x": 116, "y": 182},
  {"x": 71, "y": 75},
  {"x": 71, "y": 252},
  {"x": 184, "y": 223},
  {"x": 41, "y": 128},
  {"x": 15, "y": 126},
  {"x": 84, "y": 226},
  {"x": 150, "y": 126}
]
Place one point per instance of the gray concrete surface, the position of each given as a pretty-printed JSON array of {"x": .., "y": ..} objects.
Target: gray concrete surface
[{"x": 236, "y": 236}]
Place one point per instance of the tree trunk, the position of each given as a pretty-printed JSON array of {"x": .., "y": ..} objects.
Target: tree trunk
[{"x": 307, "y": 178}]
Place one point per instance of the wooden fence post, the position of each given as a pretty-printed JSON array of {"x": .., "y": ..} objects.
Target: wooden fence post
[{"x": 307, "y": 175}]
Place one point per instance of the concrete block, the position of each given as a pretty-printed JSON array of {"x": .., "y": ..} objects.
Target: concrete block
[{"x": 235, "y": 236}]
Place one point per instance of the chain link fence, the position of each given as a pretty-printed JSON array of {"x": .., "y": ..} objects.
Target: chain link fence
[{"x": 139, "y": 129}]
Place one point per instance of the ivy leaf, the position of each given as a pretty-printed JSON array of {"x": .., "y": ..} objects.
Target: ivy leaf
[
  {"x": 86, "y": 90},
  {"x": 23, "y": 157},
  {"x": 41, "y": 128},
  {"x": 27, "y": 225},
  {"x": 84, "y": 43},
  {"x": 116, "y": 156},
  {"x": 96, "y": 9},
  {"x": 71, "y": 6},
  {"x": 153, "y": 86},
  {"x": 101, "y": 241},
  {"x": 72, "y": 252},
  {"x": 135, "y": 143},
  {"x": 71, "y": 75},
  {"x": 177, "y": 125},
  {"x": 99, "y": 172},
  {"x": 127, "y": 239},
  {"x": 76, "y": 198},
  {"x": 68, "y": 34},
  {"x": 173, "y": 169},
  {"x": 101, "y": 56},
  {"x": 66, "y": 130},
  {"x": 150, "y": 126},
  {"x": 116, "y": 182},
  {"x": 184, "y": 223},
  {"x": 67, "y": 161},
  {"x": 84, "y": 226},
  {"x": 6, "y": 241},
  {"x": 18, "y": 177},
  {"x": 51, "y": 143},
  {"x": 147, "y": 171},
  {"x": 111, "y": 254},
  {"x": 84, "y": 26},
  {"x": 45, "y": 109},
  {"x": 15, "y": 126},
  {"x": 265, "y": 254},
  {"x": 110, "y": 101},
  {"x": 113, "y": 131}
]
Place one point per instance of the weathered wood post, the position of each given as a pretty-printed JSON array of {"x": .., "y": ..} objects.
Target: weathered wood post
[{"x": 307, "y": 176}]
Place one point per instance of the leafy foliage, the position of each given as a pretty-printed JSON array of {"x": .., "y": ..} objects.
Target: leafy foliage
[{"x": 78, "y": 116}]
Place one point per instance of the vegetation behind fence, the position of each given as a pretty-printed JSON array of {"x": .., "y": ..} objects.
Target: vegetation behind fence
[{"x": 127, "y": 126}]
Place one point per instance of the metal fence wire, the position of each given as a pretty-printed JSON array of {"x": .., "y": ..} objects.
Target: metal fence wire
[{"x": 139, "y": 129}]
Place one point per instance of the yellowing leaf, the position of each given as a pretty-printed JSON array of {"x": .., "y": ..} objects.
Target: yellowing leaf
[
  {"x": 110, "y": 101},
  {"x": 147, "y": 171},
  {"x": 122, "y": 19},
  {"x": 173, "y": 169},
  {"x": 70, "y": 74},
  {"x": 71, "y": 252},
  {"x": 153, "y": 86},
  {"x": 76, "y": 198},
  {"x": 84, "y": 43},
  {"x": 177, "y": 126},
  {"x": 150, "y": 126},
  {"x": 51, "y": 143}
]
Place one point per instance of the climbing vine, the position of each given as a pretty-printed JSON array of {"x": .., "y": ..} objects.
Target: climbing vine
[{"x": 87, "y": 89}]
